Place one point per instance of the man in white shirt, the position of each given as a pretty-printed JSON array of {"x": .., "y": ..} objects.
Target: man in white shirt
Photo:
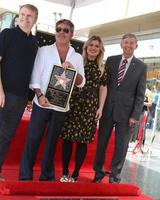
[{"x": 60, "y": 53}]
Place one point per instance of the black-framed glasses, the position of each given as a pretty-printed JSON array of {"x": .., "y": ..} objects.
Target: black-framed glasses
[{"x": 65, "y": 30}]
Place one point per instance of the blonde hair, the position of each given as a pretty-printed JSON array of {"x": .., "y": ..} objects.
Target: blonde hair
[
  {"x": 100, "y": 55},
  {"x": 30, "y": 7}
]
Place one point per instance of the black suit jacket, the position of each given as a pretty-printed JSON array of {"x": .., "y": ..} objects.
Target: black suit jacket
[{"x": 127, "y": 99}]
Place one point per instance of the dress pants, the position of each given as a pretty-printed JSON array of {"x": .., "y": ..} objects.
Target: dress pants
[
  {"x": 41, "y": 119},
  {"x": 10, "y": 117},
  {"x": 122, "y": 137}
]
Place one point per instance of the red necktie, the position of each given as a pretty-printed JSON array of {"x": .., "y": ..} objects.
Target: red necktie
[{"x": 121, "y": 71}]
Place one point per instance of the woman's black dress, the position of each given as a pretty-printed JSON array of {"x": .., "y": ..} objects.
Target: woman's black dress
[{"x": 80, "y": 121}]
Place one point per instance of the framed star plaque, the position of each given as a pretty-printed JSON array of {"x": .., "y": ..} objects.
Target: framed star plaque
[{"x": 60, "y": 86}]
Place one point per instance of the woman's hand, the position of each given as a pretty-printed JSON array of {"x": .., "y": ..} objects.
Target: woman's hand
[{"x": 98, "y": 114}]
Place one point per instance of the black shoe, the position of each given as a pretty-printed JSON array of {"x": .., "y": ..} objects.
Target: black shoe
[
  {"x": 114, "y": 180},
  {"x": 98, "y": 179},
  {"x": 107, "y": 173},
  {"x": 25, "y": 179},
  {"x": 46, "y": 179}
]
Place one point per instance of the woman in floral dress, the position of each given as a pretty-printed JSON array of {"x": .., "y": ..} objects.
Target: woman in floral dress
[{"x": 86, "y": 106}]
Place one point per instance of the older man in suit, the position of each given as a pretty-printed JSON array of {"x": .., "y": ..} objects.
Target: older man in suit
[{"x": 123, "y": 107}]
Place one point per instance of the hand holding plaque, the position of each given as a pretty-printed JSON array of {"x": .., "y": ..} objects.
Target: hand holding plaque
[{"x": 60, "y": 86}]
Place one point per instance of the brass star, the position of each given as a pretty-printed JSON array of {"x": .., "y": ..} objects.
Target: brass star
[{"x": 62, "y": 80}]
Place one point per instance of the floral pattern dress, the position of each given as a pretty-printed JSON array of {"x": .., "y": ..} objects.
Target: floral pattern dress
[{"x": 80, "y": 121}]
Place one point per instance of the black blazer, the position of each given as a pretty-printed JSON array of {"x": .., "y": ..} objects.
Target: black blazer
[{"x": 126, "y": 100}]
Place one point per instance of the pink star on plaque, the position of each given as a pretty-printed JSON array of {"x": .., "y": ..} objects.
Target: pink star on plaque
[{"x": 62, "y": 80}]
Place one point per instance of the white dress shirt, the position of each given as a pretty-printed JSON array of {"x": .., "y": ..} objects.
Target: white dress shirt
[{"x": 46, "y": 58}]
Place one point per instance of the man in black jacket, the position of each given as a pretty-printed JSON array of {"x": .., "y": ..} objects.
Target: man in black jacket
[
  {"x": 18, "y": 48},
  {"x": 123, "y": 106}
]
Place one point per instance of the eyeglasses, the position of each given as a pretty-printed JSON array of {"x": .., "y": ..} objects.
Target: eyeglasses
[{"x": 65, "y": 30}]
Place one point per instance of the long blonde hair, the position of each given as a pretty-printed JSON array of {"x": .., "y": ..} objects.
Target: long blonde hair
[{"x": 100, "y": 55}]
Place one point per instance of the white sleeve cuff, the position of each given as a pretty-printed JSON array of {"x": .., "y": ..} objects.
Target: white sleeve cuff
[{"x": 34, "y": 85}]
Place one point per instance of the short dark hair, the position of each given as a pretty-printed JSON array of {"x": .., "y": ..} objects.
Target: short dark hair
[
  {"x": 66, "y": 21},
  {"x": 129, "y": 35}
]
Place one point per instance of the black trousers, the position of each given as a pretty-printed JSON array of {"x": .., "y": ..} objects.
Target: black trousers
[
  {"x": 10, "y": 117},
  {"x": 122, "y": 137},
  {"x": 41, "y": 118},
  {"x": 80, "y": 155}
]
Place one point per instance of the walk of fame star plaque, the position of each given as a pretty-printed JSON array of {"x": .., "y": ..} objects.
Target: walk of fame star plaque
[{"x": 60, "y": 86}]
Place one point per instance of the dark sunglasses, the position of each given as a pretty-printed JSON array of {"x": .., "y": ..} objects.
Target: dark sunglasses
[{"x": 59, "y": 29}]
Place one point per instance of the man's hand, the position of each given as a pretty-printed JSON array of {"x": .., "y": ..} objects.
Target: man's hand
[
  {"x": 43, "y": 101},
  {"x": 2, "y": 95},
  {"x": 2, "y": 98},
  {"x": 132, "y": 122},
  {"x": 67, "y": 65}
]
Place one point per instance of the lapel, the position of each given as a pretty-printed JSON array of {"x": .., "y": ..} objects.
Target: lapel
[{"x": 116, "y": 65}]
